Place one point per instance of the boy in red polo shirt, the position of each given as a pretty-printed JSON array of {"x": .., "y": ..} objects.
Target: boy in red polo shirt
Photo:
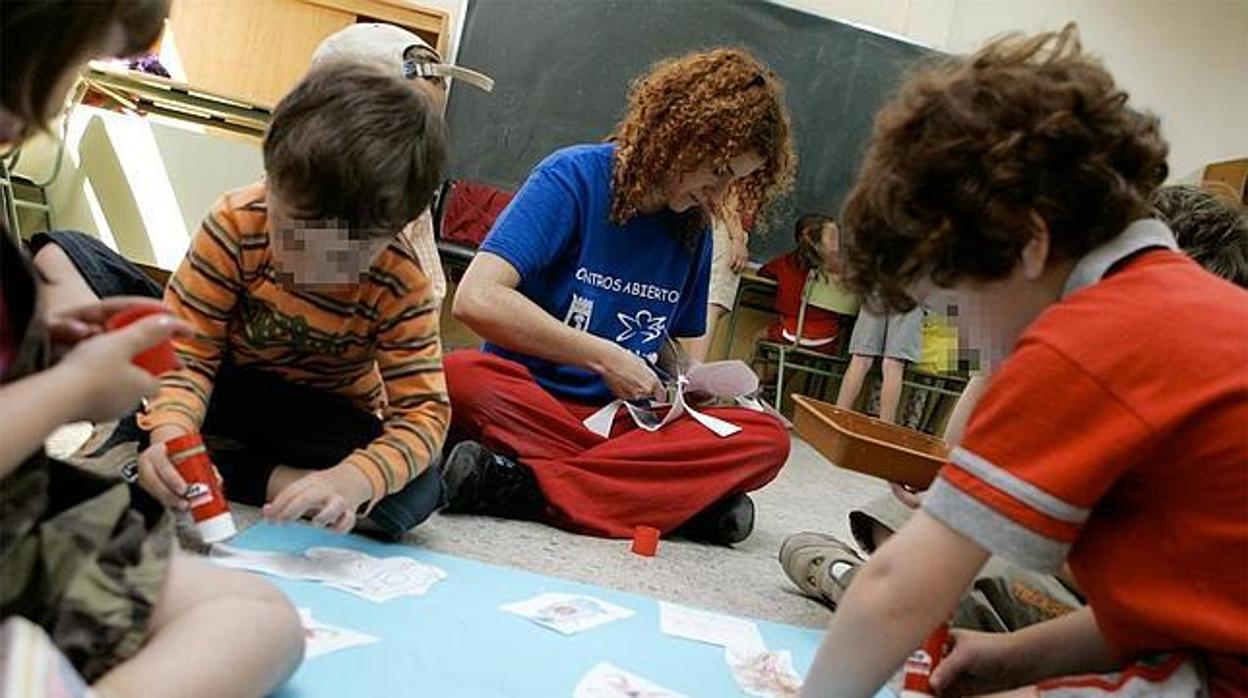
[{"x": 1017, "y": 179}]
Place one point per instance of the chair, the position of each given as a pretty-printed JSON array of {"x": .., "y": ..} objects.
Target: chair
[
  {"x": 463, "y": 213},
  {"x": 21, "y": 192},
  {"x": 820, "y": 291},
  {"x": 938, "y": 393}
]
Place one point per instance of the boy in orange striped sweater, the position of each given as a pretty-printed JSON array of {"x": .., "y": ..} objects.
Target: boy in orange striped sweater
[{"x": 316, "y": 354}]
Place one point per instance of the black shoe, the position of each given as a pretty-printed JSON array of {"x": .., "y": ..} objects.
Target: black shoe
[
  {"x": 477, "y": 481},
  {"x": 728, "y": 521}
]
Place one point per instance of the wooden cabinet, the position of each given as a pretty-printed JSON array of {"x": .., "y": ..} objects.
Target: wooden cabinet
[{"x": 257, "y": 50}]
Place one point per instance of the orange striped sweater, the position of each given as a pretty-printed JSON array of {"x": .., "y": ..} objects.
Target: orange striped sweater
[{"x": 377, "y": 344}]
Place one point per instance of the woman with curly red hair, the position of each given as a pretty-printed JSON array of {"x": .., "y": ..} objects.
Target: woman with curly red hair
[{"x": 603, "y": 256}]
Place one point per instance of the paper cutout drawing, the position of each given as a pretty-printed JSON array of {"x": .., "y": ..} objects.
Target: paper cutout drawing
[
  {"x": 373, "y": 578},
  {"x": 322, "y": 638},
  {"x": 766, "y": 674},
  {"x": 712, "y": 628},
  {"x": 567, "y": 613},
  {"x": 609, "y": 681},
  {"x": 720, "y": 382}
]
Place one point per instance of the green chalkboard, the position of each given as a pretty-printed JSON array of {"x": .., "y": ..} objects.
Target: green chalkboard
[{"x": 563, "y": 68}]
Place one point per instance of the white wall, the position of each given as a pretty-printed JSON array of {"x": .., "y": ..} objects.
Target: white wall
[
  {"x": 457, "y": 9},
  {"x": 1181, "y": 59},
  {"x": 922, "y": 21},
  {"x": 142, "y": 185}
]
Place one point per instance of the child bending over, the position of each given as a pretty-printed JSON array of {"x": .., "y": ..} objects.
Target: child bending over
[
  {"x": 316, "y": 348},
  {"x": 1018, "y": 179}
]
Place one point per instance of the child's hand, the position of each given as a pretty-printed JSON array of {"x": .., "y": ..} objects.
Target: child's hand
[
  {"x": 68, "y": 328},
  {"x": 110, "y": 384},
  {"x": 157, "y": 473},
  {"x": 331, "y": 497},
  {"x": 978, "y": 663}
]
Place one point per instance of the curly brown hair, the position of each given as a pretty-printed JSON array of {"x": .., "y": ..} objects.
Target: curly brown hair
[
  {"x": 702, "y": 109},
  {"x": 971, "y": 148}
]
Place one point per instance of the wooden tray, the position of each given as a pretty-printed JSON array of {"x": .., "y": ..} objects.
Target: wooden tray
[{"x": 867, "y": 445}]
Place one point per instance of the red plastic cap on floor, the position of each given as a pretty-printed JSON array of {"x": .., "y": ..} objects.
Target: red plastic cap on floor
[{"x": 645, "y": 540}]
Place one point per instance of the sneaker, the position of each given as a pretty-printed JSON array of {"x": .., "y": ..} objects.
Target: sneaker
[
  {"x": 112, "y": 450},
  {"x": 820, "y": 565},
  {"x": 105, "y": 437},
  {"x": 728, "y": 521},
  {"x": 478, "y": 481}
]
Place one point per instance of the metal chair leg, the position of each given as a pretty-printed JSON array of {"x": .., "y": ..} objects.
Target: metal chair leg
[
  {"x": 10, "y": 203},
  {"x": 780, "y": 383},
  {"x": 732, "y": 321}
]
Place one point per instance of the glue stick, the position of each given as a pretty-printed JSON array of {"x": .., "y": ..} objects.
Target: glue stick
[
  {"x": 919, "y": 667},
  {"x": 208, "y": 506}
]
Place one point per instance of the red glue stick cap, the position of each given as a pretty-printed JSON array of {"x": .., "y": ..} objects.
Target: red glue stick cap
[
  {"x": 156, "y": 359},
  {"x": 645, "y": 540}
]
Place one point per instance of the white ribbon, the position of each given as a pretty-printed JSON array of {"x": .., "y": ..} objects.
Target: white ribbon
[{"x": 726, "y": 380}]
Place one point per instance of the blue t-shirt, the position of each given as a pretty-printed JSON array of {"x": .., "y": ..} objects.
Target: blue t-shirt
[{"x": 631, "y": 284}]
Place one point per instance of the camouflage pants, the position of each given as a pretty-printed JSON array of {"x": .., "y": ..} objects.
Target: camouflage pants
[{"x": 80, "y": 560}]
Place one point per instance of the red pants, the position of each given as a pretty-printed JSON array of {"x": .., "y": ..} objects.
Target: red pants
[
  {"x": 775, "y": 333},
  {"x": 599, "y": 486}
]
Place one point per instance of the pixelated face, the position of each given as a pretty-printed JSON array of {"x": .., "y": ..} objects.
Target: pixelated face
[
  {"x": 991, "y": 315},
  {"x": 829, "y": 241},
  {"x": 984, "y": 316},
  {"x": 319, "y": 254},
  {"x": 706, "y": 186}
]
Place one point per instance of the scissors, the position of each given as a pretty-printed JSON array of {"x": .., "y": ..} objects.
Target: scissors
[{"x": 658, "y": 371}]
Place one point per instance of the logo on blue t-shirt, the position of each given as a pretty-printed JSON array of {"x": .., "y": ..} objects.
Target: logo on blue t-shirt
[
  {"x": 644, "y": 323},
  {"x": 633, "y": 284},
  {"x": 580, "y": 313}
]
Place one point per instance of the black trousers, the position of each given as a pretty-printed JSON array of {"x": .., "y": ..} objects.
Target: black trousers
[{"x": 274, "y": 422}]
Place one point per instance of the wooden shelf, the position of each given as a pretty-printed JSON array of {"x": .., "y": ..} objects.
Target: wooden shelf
[
  {"x": 259, "y": 49},
  {"x": 431, "y": 24},
  {"x": 1231, "y": 175}
]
